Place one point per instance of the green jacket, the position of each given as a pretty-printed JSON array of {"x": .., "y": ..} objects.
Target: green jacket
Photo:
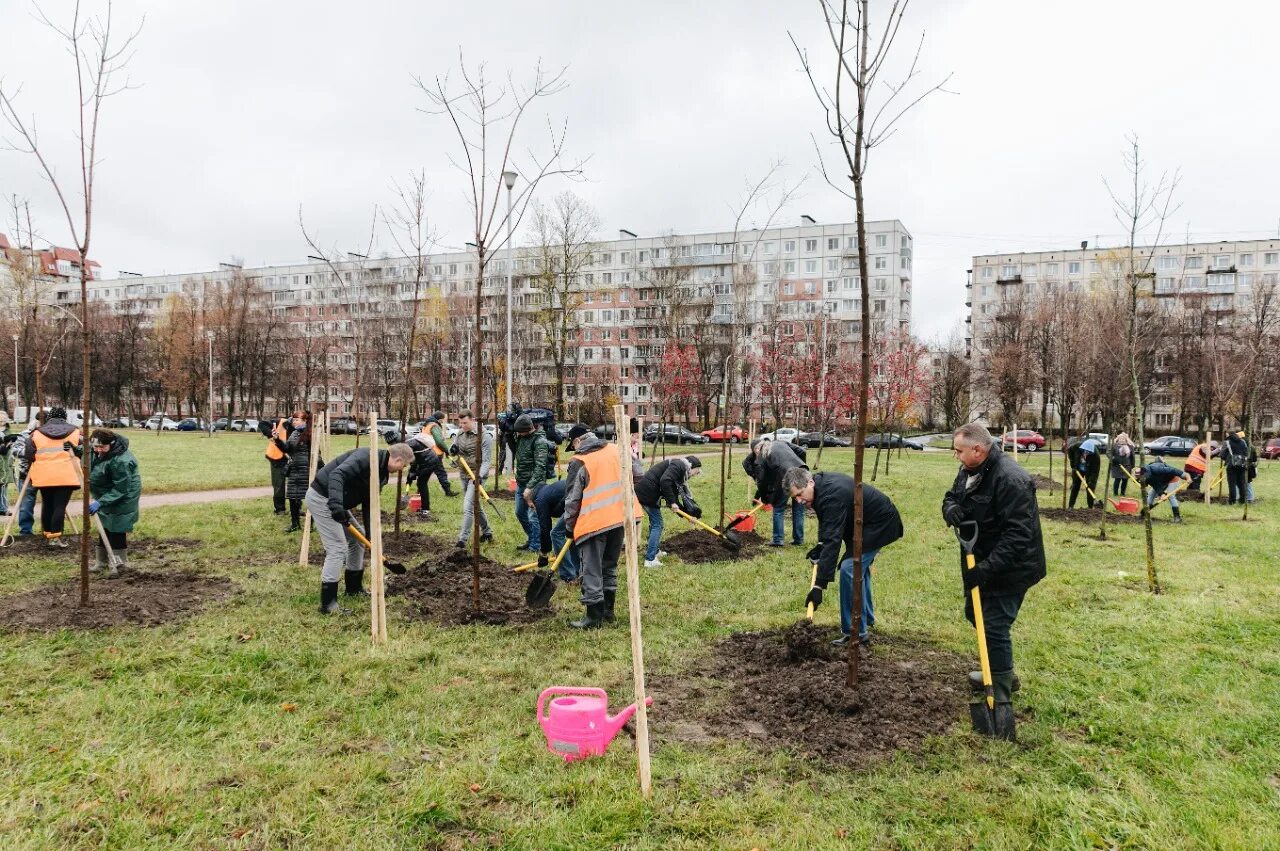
[
  {"x": 437, "y": 437},
  {"x": 533, "y": 461},
  {"x": 115, "y": 483}
]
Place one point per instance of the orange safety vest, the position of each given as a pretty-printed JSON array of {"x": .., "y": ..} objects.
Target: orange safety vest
[
  {"x": 602, "y": 500},
  {"x": 275, "y": 453},
  {"x": 54, "y": 466},
  {"x": 1196, "y": 460}
]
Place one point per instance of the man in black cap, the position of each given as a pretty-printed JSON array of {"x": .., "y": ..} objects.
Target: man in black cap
[
  {"x": 429, "y": 450},
  {"x": 533, "y": 468},
  {"x": 667, "y": 481}
]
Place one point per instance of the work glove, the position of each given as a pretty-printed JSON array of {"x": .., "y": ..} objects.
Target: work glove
[
  {"x": 453, "y": 450},
  {"x": 68, "y": 446},
  {"x": 975, "y": 578},
  {"x": 411, "y": 478},
  {"x": 814, "y": 597},
  {"x": 94, "y": 505},
  {"x": 339, "y": 515},
  {"x": 954, "y": 514},
  {"x": 544, "y": 559},
  {"x": 688, "y": 506},
  {"x": 814, "y": 553}
]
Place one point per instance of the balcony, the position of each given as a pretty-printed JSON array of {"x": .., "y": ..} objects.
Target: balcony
[
  {"x": 1014, "y": 279},
  {"x": 1229, "y": 270}
]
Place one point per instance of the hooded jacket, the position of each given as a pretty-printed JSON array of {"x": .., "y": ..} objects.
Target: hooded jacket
[
  {"x": 776, "y": 458},
  {"x": 1001, "y": 498},
  {"x": 578, "y": 481},
  {"x": 344, "y": 481},
  {"x": 833, "y": 495},
  {"x": 114, "y": 481},
  {"x": 667, "y": 481},
  {"x": 298, "y": 451},
  {"x": 534, "y": 460}
]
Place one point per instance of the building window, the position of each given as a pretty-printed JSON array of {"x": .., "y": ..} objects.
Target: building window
[
  {"x": 833, "y": 243},
  {"x": 848, "y": 283},
  {"x": 986, "y": 271},
  {"x": 1270, "y": 258},
  {"x": 808, "y": 287},
  {"x": 833, "y": 264},
  {"x": 810, "y": 267},
  {"x": 811, "y": 245},
  {"x": 851, "y": 243},
  {"x": 1029, "y": 270},
  {"x": 1193, "y": 262},
  {"x": 788, "y": 288},
  {"x": 1164, "y": 284},
  {"x": 882, "y": 241},
  {"x": 1167, "y": 262},
  {"x": 881, "y": 263},
  {"x": 788, "y": 266},
  {"x": 831, "y": 285},
  {"x": 1246, "y": 260},
  {"x": 1222, "y": 261},
  {"x": 1073, "y": 268},
  {"x": 790, "y": 246},
  {"x": 877, "y": 306},
  {"x": 881, "y": 284},
  {"x": 770, "y": 247}
]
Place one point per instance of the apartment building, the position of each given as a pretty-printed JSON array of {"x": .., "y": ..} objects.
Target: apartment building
[{"x": 787, "y": 279}]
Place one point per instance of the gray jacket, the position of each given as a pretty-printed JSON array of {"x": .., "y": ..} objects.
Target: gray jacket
[{"x": 465, "y": 443}]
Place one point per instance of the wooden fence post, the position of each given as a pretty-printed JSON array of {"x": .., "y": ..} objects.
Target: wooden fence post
[{"x": 632, "y": 539}]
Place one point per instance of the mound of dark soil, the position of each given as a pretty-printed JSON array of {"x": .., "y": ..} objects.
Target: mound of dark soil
[
  {"x": 409, "y": 547},
  {"x": 135, "y": 599},
  {"x": 1093, "y": 515},
  {"x": 1044, "y": 483},
  {"x": 697, "y": 546},
  {"x": 35, "y": 545},
  {"x": 439, "y": 590},
  {"x": 786, "y": 690}
]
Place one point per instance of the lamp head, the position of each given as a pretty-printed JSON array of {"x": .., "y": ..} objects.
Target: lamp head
[{"x": 509, "y": 178}]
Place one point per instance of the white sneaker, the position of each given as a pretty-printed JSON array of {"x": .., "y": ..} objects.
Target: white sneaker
[
  {"x": 663, "y": 553},
  {"x": 652, "y": 562}
]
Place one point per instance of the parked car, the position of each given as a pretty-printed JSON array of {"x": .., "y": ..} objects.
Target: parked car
[
  {"x": 891, "y": 441},
  {"x": 1104, "y": 440},
  {"x": 1171, "y": 445},
  {"x": 1028, "y": 440},
  {"x": 119, "y": 422},
  {"x": 1272, "y": 450},
  {"x": 672, "y": 434},
  {"x": 605, "y": 431},
  {"x": 191, "y": 424},
  {"x": 719, "y": 434},
  {"x": 161, "y": 422},
  {"x": 786, "y": 435},
  {"x": 221, "y": 423},
  {"x": 414, "y": 429},
  {"x": 812, "y": 439},
  {"x": 390, "y": 431},
  {"x": 343, "y": 425}
]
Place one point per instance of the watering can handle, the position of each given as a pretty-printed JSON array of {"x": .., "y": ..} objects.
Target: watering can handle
[{"x": 553, "y": 690}]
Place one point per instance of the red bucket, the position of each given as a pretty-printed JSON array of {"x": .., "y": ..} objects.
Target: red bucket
[
  {"x": 1124, "y": 505},
  {"x": 415, "y": 502},
  {"x": 747, "y": 525}
]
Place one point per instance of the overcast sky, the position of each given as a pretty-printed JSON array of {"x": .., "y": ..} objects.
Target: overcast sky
[{"x": 248, "y": 109}]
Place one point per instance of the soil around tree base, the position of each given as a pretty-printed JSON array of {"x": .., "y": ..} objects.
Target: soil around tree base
[
  {"x": 785, "y": 690},
  {"x": 1093, "y": 516},
  {"x": 136, "y": 598},
  {"x": 697, "y": 546},
  {"x": 1045, "y": 483},
  {"x": 439, "y": 590}
]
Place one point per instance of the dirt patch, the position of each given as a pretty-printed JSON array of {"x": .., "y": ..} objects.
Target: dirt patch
[
  {"x": 1044, "y": 483},
  {"x": 35, "y": 545},
  {"x": 1093, "y": 516},
  {"x": 135, "y": 599},
  {"x": 785, "y": 690},
  {"x": 699, "y": 547},
  {"x": 439, "y": 590},
  {"x": 158, "y": 546},
  {"x": 409, "y": 547}
]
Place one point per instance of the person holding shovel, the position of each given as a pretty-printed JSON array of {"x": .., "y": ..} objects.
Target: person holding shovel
[
  {"x": 594, "y": 514},
  {"x": 667, "y": 481},
  {"x": 297, "y": 451},
  {"x": 772, "y": 459},
  {"x": 992, "y": 491},
  {"x": 51, "y": 451},
  {"x": 534, "y": 465},
  {"x": 1085, "y": 465},
  {"x": 26, "y": 506},
  {"x": 1163, "y": 480},
  {"x": 464, "y": 446},
  {"x": 1121, "y": 455},
  {"x": 340, "y": 486},
  {"x": 116, "y": 487},
  {"x": 428, "y": 449},
  {"x": 831, "y": 497}
]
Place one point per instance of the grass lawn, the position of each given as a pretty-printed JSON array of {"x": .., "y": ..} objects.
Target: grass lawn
[{"x": 1145, "y": 721}]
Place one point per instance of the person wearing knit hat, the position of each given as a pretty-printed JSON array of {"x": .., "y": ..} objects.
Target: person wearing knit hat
[
  {"x": 667, "y": 481},
  {"x": 534, "y": 463}
]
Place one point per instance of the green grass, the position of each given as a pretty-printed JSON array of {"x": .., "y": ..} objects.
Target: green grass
[{"x": 1146, "y": 721}]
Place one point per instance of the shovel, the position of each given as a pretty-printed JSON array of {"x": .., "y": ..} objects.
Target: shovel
[
  {"x": 1084, "y": 482},
  {"x": 394, "y": 566},
  {"x": 543, "y": 585},
  {"x": 808, "y": 607},
  {"x": 986, "y": 718},
  {"x": 729, "y": 539},
  {"x": 484, "y": 494}
]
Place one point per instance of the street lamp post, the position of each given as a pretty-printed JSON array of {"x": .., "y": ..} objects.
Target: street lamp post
[
  {"x": 509, "y": 178},
  {"x": 209, "y": 336}
]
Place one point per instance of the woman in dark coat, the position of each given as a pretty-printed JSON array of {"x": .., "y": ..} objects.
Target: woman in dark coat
[
  {"x": 298, "y": 470},
  {"x": 116, "y": 486}
]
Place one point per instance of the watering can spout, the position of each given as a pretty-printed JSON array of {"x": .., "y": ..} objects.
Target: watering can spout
[{"x": 615, "y": 723}]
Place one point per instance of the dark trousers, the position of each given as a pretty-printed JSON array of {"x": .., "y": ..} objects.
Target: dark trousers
[
  {"x": 1091, "y": 479},
  {"x": 53, "y": 507},
  {"x": 430, "y": 465},
  {"x": 278, "y": 476},
  {"x": 598, "y": 556},
  {"x": 1237, "y": 483},
  {"x": 295, "y": 511},
  {"x": 1119, "y": 486},
  {"x": 998, "y": 615},
  {"x": 119, "y": 541}
]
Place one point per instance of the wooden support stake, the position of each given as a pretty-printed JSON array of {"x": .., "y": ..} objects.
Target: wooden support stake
[
  {"x": 7, "y": 539},
  {"x": 1206, "y": 481},
  {"x": 319, "y": 424},
  {"x": 377, "y": 597},
  {"x": 632, "y": 539},
  {"x": 751, "y": 434}
]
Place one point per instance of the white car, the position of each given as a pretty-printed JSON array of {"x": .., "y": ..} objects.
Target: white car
[
  {"x": 786, "y": 435},
  {"x": 162, "y": 423},
  {"x": 1103, "y": 439}
]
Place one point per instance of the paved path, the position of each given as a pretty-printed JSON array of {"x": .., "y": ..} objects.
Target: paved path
[{"x": 159, "y": 500}]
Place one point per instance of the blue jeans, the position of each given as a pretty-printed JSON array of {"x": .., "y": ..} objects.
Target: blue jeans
[
  {"x": 528, "y": 517},
  {"x": 569, "y": 567},
  {"x": 1172, "y": 490},
  {"x": 846, "y": 595},
  {"x": 27, "y": 510},
  {"x": 652, "y": 548},
  {"x": 797, "y": 522}
]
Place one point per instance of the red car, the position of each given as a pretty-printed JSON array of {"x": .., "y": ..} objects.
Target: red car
[
  {"x": 1272, "y": 450},
  {"x": 1028, "y": 441},
  {"x": 733, "y": 434}
]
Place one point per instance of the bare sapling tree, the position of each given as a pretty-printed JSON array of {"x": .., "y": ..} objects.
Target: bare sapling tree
[
  {"x": 100, "y": 55},
  {"x": 488, "y": 120},
  {"x": 859, "y": 122},
  {"x": 413, "y": 237},
  {"x": 1141, "y": 207}
]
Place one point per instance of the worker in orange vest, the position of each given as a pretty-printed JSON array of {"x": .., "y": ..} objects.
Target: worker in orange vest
[
  {"x": 278, "y": 457},
  {"x": 594, "y": 514},
  {"x": 1197, "y": 463},
  {"x": 51, "y": 451}
]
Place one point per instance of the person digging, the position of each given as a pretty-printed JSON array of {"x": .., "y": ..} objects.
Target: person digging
[
  {"x": 667, "y": 481},
  {"x": 1165, "y": 482},
  {"x": 116, "y": 486},
  {"x": 594, "y": 514},
  {"x": 339, "y": 487},
  {"x": 551, "y": 529},
  {"x": 534, "y": 464},
  {"x": 428, "y": 452},
  {"x": 464, "y": 446},
  {"x": 769, "y": 462},
  {"x": 830, "y": 495},
  {"x": 997, "y": 495}
]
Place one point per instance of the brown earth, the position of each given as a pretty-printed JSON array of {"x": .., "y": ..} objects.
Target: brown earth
[
  {"x": 409, "y": 547},
  {"x": 1045, "y": 483},
  {"x": 1093, "y": 515},
  {"x": 697, "y": 546},
  {"x": 135, "y": 599},
  {"x": 785, "y": 690},
  {"x": 35, "y": 545},
  {"x": 439, "y": 590}
]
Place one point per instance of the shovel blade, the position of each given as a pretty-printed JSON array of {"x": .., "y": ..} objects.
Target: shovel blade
[
  {"x": 731, "y": 541},
  {"x": 395, "y": 567},
  {"x": 980, "y": 715},
  {"x": 1003, "y": 725},
  {"x": 540, "y": 590}
]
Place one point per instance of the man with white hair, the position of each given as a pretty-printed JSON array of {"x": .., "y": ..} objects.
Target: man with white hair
[{"x": 992, "y": 491}]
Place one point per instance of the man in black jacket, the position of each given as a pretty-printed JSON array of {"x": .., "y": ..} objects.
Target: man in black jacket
[
  {"x": 667, "y": 481},
  {"x": 831, "y": 495},
  {"x": 771, "y": 459},
  {"x": 1235, "y": 452},
  {"x": 992, "y": 491},
  {"x": 340, "y": 486}
]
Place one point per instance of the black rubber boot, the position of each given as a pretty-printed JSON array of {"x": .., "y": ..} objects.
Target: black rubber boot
[
  {"x": 448, "y": 490},
  {"x": 1002, "y": 686},
  {"x": 975, "y": 681},
  {"x": 1177, "y": 516},
  {"x": 593, "y": 619},
  {"x": 610, "y": 597},
  {"x": 329, "y": 598},
  {"x": 355, "y": 583},
  {"x": 293, "y": 527}
]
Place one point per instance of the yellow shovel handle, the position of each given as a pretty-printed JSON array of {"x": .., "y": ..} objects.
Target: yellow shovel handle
[
  {"x": 1092, "y": 495},
  {"x": 472, "y": 476},
  {"x": 695, "y": 521},
  {"x": 983, "y": 659},
  {"x": 808, "y": 609}
]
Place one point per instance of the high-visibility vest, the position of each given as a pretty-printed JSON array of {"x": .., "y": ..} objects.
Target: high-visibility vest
[
  {"x": 1196, "y": 460},
  {"x": 275, "y": 453},
  {"x": 602, "y": 500},
  {"x": 54, "y": 466}
]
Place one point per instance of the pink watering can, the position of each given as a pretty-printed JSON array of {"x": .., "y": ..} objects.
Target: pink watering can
[{"x": 577, "y": 724}]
